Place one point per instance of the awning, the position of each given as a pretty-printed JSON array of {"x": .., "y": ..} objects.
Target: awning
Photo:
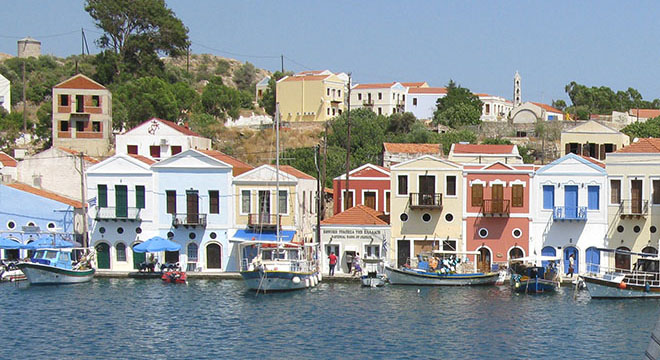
[{"x": 246, "y": 235}]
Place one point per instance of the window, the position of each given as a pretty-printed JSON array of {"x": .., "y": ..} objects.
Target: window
[
  {"x": 139, "y": 196},
  {"x": 214, "y": 201},
  {"x": 516, "y": 233},
  {"x": 102, "y": 196},
  {"x": 348, "y": 200},
  {"x": 121, "y": 252},
  {"x": 334, "y": 111},
  {"x": 338, "y": 93},
  {"x": 359, "y": 96},
  {"x": 80, "y": 126},
  {"x": 451, "y": 186},
  {"x": 380, "y": 96},
  {"x": 154, "y": 151},
  {"x": 414, "y": 101},
  {"x": 517, "y": 197},
  {"x": 380, "y": 111},
  {"x": 132, "y": 149},
  {"x": 615, "y": 191},
  {"x": 328, "y": 111},
  {"x": 96, "y": 126},
  {"x": 487, "y": 111},
  {"x": 64, "y": 126},
  {"x": 372, "y": 251},
  {"x": 245, "y": 201},
  {"x": 96, "y": 100},
  {"x": 402, "y": 189},
  {"x": 171, "y": 201},
  {"x": 548, "y": 196},
  {"x": 283, "y": 202},
  {"x": 80, "y": 103},
  {"x": 477, "y": 194},
  {"x": 426, "y": 217},
  {"x": 387, "y": 202},
  {"x": 656, "y": 192},
  {"x": 328, "y": 91},
  {"x": 483, "y": 233},
  {"x": 64, "y": 100},
  {"x": 175, "y": 149},
  {"x": 304, "y": 204},
  {"x": 593, "y": 195},
  {"x": 192, "y": 252}
]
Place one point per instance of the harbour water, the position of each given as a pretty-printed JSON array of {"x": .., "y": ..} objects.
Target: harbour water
[{"x": 213, "y": 319}]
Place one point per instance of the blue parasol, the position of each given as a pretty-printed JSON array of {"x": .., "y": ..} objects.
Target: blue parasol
[
  {"x": 49, "y": 242},
  {"x": 156, "y": 244},
  {"x": 9, "y": 244}
]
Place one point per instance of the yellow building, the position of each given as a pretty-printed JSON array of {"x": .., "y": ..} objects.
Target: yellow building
[
  {"x": 592, "y": 139},
  {"x": 634, "y": 200},
  {"x": 426, "y": 207},
  {"x": 311, "y": 96}
]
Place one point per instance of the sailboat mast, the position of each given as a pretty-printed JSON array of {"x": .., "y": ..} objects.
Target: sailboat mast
[{"x": 277, "y": 172}]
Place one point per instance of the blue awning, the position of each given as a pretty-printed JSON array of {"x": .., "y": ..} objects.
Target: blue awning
[{"x": 247, "y": 235}]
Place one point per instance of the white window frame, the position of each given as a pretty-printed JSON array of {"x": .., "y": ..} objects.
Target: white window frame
[
  {"x": 249, "y": 202},
  {"x": 435, "y": 182},
  {"x": 398, "y": 193},
  {"x": 343, "y": 203},
  {"x": 609, "y": 192},
  {"x": 385, "y": 201},
  {"x": 277, "y": 196},
  {"x": 372, "y": 246},
  {"x": 455, "y": 190},
  {"x": 651, "y": 179},
  {"x": 374, "y": 191}
]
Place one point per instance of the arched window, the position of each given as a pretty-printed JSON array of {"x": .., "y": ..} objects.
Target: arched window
[
  {"x": 192, "y": 252},
  {"x": 121, "y": 252},
  {"x": 515, "y": 253},
  {"x": 621, "y": 260},
  {"x": 646, "y": 264}
]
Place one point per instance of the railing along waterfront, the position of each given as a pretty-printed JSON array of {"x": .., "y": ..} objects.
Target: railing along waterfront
[{"x": 570, "y": 213}]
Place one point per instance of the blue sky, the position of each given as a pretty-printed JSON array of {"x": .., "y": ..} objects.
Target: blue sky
[{"x": 479, "y": 44}]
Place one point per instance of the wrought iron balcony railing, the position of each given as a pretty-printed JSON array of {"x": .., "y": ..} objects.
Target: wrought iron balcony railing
[
  {"x": 118, "y": 213},
  {"x": 263, "y": 221},
  {"x": 570, "y": 213},
  {"x": 634, "y": 208},
  {"x": 495, "y": 207},
  {"x": 425, "y": 200},
  {"x": 188, "y": 219}
]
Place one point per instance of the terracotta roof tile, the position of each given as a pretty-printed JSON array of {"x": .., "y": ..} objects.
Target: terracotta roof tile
[
  {"x": 642, "y": 146},
  {"x": 89, "y": 159},
  {"x": 239, "y": 166},
  {"x": 328, "y": 190},
  {"x": 482, "y": 149},
  {"x": 428, "y": 90},
  {"x": 592, "y": 160},
  {"x": 144, "y": 159},
  {"x": 46, "y": 194},
  {"x": 549, "y": 108},
  {"x": 80, "y": 81},
  {"x": 414, "y": 84},
  {"x": 305, "y": 78},
  {"x": 179, "y": 128},
  {"x": 413, "y": 148},
  {"x": 295, "y": 172},
  {"x": 645, "y": 113},
  {"x": 7, "y": 160},
  {"x": 375, "y": 86},
  {"x": 357, "y": 215}
]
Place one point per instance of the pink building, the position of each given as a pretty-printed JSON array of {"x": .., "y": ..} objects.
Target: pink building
[{"x": 368, "y": 184}]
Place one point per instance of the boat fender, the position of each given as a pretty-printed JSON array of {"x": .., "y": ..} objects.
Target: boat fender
[
  {"x": 296, "y": 280},
  {"x": 313, "y": 281},
  {"x": 306, "y": 282},
  {"x": 622, "y": 285},
  {"x": 319, "y": 276},
  {"x": 647, "y": 287},
  {"x": 517, "y": 284}
]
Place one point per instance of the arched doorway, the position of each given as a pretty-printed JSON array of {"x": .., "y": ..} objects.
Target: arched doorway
[
  {"x": 647, "y": 264},
  {"x": 622, "y": 261},
  {"x": 171, "y": 257},
  {"x": 593, "y": 259},
  {"x": 571, "y": 250},
  {"x": 13, "y": 254},
  {"x": 103, "y": 256},
  {"x": 138, "y": 257},
  {"x": 547, "y": 251},
  {"x": 484, "y": 260},
  {"x": 516, "y": 253},
  {"x": 192, "y": 252},
  {"x": 213, "y": 256}
]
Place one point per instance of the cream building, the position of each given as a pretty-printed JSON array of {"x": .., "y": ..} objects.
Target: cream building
[
  {"x": 484, "y": 154},
  {"x": 311, "y": 96},
  {"x": 426, "y": 207},
  {"x": 592, "y": 139},
  {"x": 383, "y": 99}
]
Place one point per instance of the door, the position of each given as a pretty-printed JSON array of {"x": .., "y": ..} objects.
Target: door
[
  {"x": 213, "y": 256},
  {"x": 497, "y": 198},
  {"x": 264, "y": 207},
  {"x": 593, "y": 260},
  {"x": 483, "y": 260},
  {"x": 636, "y": 196},
  {"x": 402, "y": 252},
  {"x": 103, "y": 256},
  {"x": 171, "y": 257},
  {"x": 622, "y": 261},
  {"x": 547, "y": 251},
  {"x": 121, "y": 201},
  {"x": 192, "y": 207},
  {"x": 576, "y": 259},
  {"x": 515, "y": 253},
  {"x": 138, "y": 258},
  {"x": 370, "y": 199},
  {"x": 571, "y": 201},
  {"x": 426, "y": 190}
]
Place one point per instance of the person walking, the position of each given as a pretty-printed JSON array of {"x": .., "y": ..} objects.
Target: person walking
[
  {"x": 333, "y": 262},
  {"x": 571, "y": 265},
  {"x": 357, "y": 269},
  {"x": 349, "y": 261}
]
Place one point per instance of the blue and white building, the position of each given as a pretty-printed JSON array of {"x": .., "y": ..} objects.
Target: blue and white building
[{"x": 569, "y": 211}]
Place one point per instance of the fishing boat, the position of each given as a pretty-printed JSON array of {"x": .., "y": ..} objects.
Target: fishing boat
[
  {"x": 444, "y": 268},
  {"x": 9, "y": 271},
  {"x": 643, "y": 281},
  {"x": 530, "y": 277},
  {"x": 174, "y": 277},
  {"x": 374, "y": 273},
  {"x": 58, "y": 266}
]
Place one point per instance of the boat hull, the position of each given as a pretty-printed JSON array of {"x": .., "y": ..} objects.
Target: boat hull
[
  {"x": 409, "y": 277},
  {"x": 377, "y": 281},
  {"x": 534, "y": 286},
  {"x": 12, "y": 275},
  {"x": 39, "y": 274},
  {"x": 278, "y": 280},
  {"x": 603, "y": 288}
]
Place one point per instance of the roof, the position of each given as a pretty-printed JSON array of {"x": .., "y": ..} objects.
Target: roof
[
  {"x": 328, "y": 190},
  {"x": 144, "y": 159},
  {"x": 7, "y": 160},
  {"x": 375, "y": 86},
  {"x": 428, "y": 90},
  {"x": 295, "y": 172},
  {"x": 482, "y": 149},
  {"x": 79, "y": 81},
  {"x": 357, "y": 215},
  {"x": 74, "y": 152},
  {"x": 305, "y": 78},
  {"x": 594, "y": 161},
  {"x": 239, "y": 167},
  {"x": 644, "y": 146},
  {"x": 46, "y": 194},
  {"x": 547, "y": 107},
  {"x": 414, "y": 84},
  {"x": 645, "y": 113},
  {"x": 412, "y": 148}
]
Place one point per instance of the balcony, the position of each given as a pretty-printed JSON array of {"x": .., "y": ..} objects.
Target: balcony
[
  {"x": 368, "y": 102},
  {"x": 495, "y": 207},
  {"x": 118, "y": 213},
  {"x": 570, "y": 213},
  {"x": 425, "y": 201},
  {"x": 263, "y": 222},
  {"x": 186, "y": 220},
  {"x": 89, "y": 135},
  {"x": 336, "y": 100},
  {"x": 633, "y": 208}
]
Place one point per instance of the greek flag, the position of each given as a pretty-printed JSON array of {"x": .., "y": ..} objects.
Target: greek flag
[
  {"x": 384, "y": 246},
  {"x": 92, "y": 202}
]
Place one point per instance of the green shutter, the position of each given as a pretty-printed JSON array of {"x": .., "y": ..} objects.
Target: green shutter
[
  {"x": 121, "y": 201},
  {"x": 139, "y": 196},
  {"x": 103, "y": 196}
]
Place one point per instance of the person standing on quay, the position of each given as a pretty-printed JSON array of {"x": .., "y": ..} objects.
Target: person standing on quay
[
  {"x": 357, "y": 269},
  {"x": 333, "y": 262},
  {"x": 571, "y": 263},
  {"x": 349, "y": 262}
]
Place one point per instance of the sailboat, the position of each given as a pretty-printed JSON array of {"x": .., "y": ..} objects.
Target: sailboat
[{"x": 275, "y": 265}]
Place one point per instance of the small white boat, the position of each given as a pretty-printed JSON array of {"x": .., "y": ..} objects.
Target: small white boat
[
  {"x": 604, "y": 282},
  {"x": 10, "y": 272},
  {"x": 57, "y": 266},
  {"x": 374, "y": 273}
]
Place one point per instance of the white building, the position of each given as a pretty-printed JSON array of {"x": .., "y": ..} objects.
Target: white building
[
  {"x": 159, "y": 139},
  {"x": 422, "y": 101},
  {"x": 5, "y": 94},
  {"x": 383, "y": 99},
  {"x": 529, "y": 112},
  {"x": 495, "y": 108},
  {"x": 8, "y": 168},
  {"x": 569, "y": 211}
]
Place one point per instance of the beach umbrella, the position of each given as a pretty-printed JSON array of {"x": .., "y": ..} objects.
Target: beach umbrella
[
  {"x": 48, "y": 241},
  {"x": 156, "y": 244},
  {"x": 9, "y": 244}
]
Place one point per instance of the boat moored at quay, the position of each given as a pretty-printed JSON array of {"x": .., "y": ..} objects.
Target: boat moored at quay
[
  {"x": 641, "y": 282},
  {"x": 58, "y": 266}
]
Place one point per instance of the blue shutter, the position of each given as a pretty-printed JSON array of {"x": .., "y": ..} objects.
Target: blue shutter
[
  {"x": 548, "y": 196},
  {"x": 593, "y": 197}
]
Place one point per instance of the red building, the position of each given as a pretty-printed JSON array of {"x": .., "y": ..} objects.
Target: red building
[
  {"x": 369, "y": 185},
  {"x": 497, "y": 215}
]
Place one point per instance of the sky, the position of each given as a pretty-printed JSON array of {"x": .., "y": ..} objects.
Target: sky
[{"x": 478, "y": 44}]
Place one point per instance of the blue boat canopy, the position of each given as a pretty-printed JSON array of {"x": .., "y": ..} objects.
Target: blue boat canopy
[
  {"x": 49, "y": 241},
  {"x": 9, "y": 244},
  {"x": 157, "y": 244},
  {"x": 246, "y": 235}
]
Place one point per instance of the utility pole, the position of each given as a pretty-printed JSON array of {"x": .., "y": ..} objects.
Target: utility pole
[
  {"x": 188, "y": 60},
  {"x": 348, "y": 143},
  {"x": 319, "y": 197},
  {"x": 83, "y": 200},
  {"x": 325, "y": 160},
  {"x": 282, "y": 59},
  {"x": 24, "y": 104}
]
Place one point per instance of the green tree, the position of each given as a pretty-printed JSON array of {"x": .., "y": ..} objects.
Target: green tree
[
  {"x": 244, "y": 77},
  {"x": 269, "y": 97},
  {"x": 650, "y": 128},
  {"x": 141, "y": 99},
  {"x": 559, "y": 104},
  {"x": 456, "y": 136},
  {"x": 496, "y": 141},
  {"x": 367, "y": 135},
  {"x": 137, "y": 31},
  {"x": 204, "y": 124},
  {"x": 401, "y": 122},
  {"x": 220, "y": 100},
  {"x": 459, "y": 107}
]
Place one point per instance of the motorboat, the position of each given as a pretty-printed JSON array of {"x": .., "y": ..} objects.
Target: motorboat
[
  {"x": 174, "y": 277},
  {"x": 642, "y": 281},
  {"x": 374, "y": 277},
  {"x": 9, "y": 271},
  {"x": 58, "y": 266},
  {"x": 440, "y": 267},
  {"x": 528, "y": 276}
]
